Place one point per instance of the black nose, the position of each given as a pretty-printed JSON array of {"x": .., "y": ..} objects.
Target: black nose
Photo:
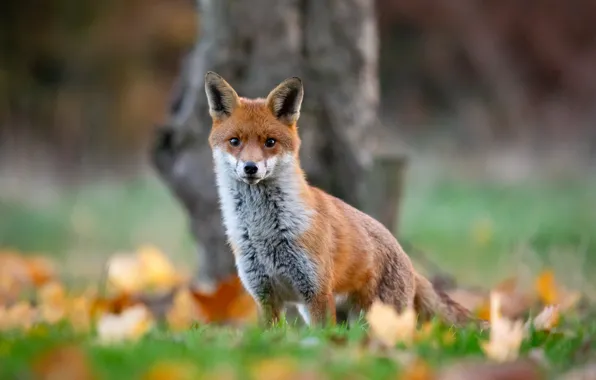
[{"x": 250, "y": 168}]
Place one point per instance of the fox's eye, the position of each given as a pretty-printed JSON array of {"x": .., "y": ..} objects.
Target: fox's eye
[
  {"x": 234, "y": 141},
  {"x": 270, "y": 143}
]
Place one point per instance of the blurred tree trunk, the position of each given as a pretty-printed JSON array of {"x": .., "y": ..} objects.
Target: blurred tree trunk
[{"x": 331, "y": 44}]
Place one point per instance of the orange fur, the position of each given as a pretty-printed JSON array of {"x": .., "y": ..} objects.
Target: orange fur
[{"x": 353, "y": 253}]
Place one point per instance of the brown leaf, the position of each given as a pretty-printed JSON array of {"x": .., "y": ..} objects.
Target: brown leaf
[
  {"x": 418, "y": 370},
  {"x": 183, "y": 312},
  {"x": 228, "y": 303},
  {"x": 517, "y": 370},
  {"x": 170, "y": 370},
  {"x": 64, "y": 363}
]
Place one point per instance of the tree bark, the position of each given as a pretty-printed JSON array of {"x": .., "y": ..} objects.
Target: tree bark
[{"x": 331, "y": 44}]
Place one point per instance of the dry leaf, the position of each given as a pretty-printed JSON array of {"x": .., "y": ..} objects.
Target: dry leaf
[
  {"x": 113, "y": 305},
  {"x": 19, "y": 316},
  {"x": 68, "y": 363},
  {"x": 184, "y": 311},
  {"x": 172, "y": 371},
  {"x": 147, "y": 269},
  {"x": 157, "y": 270},
  {"x": 547, "y": 288},
  {"x": 505, "y": 335},
  {"x": 551, "y": 293},
  {"x": 418, "y": 370},
  {"x": 229, "y": 303},
  {"x": 472, "y": 370},
  {"x": 274, "y": 369},
  {"x": 547, "y": 319},
  {"x": 388, "y": 326},
  {"x": 52, "y": 302},
  {"x": 132, "y": 323},
  {"x": 124, "y": 273},
  {"x": 513, "y": 301}
]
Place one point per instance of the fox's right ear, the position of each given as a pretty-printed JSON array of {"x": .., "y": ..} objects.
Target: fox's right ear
[{"x": 221, "y": 96}]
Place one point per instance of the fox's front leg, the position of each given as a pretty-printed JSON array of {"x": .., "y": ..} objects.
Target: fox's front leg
[
  {"x": 270, "y": 312},
  {"x": 321, "y": 310}
]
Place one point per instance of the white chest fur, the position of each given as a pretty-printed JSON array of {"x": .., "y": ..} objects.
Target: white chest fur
[{"x": 264, "y": 222}]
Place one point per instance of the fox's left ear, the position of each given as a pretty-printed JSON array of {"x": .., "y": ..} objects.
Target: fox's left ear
[
  {"x": 285, "y": 100},
  {"x": 221, "y": 96}
]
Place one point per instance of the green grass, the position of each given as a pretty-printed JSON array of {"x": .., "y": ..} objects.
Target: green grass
[
  {"x": 471, "y": 229},
  {"x": 333, "y": 352}
]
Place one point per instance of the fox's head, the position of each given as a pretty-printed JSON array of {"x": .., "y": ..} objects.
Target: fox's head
[{"x": 254, "y": 139}]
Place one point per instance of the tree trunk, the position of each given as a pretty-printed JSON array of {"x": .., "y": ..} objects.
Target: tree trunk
[{"x": 331, "y": 44}]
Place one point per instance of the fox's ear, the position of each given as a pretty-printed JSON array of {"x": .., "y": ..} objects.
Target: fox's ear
[
  {"x": 221, "y": 96},
  {"x": 285, "y": 100}
]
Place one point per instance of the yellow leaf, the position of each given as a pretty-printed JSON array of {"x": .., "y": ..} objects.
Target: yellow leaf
[
  {"x": 156, "y": 268},
  {"x": 388, "y": 326},
  {"x": 52, "y": 302},
  {"x": 551, "y": 293},
  {"x": 172, "y": 371},
  {"x": 505, "y": 335},
  {"x": 183, "y": 312},
  {"x": 131, "y": 324},
  {"x": 274, "y": 369},
  {"x": 79, "y": 314},
  {"x": 547, "y": 288},
  {"x": 18, "y": 316},
  {"x": 147, "y": 268},
  {"x": 124, "y": 273}
]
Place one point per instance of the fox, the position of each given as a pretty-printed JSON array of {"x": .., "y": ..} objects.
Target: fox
[{"x": 293, "y": 243}]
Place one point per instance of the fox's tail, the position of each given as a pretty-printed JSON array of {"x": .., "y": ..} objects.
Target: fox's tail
[{"x": 430, "y": 301}]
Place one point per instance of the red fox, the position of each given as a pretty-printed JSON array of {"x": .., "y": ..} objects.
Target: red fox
[{"x": 293, "y": 243}]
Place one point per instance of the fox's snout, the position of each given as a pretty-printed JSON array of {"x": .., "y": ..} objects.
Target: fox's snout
[{"x": 250, "y": 168}]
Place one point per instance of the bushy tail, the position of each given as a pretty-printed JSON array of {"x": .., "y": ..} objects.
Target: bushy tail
[{"x": 430, "y": 302}]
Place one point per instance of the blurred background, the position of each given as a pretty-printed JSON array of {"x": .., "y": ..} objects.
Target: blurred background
[{"x": 492, "y": 103}]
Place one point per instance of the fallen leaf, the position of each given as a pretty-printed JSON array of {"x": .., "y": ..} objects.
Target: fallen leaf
[
  {"x": 228, "y": 303},
  {"x": 172, "y": 371},
  {"x": 473, "y": 370},
  {"x": 41, "y": 270},
  {"x": 389, "y": 327},
  {"x": 418, "y": 370},
  {"x": 547, "y": 319},
  {"x": 551, "y": 293},
  {"x": 67, "y": 362},
  {"x": 274, "y": 369},
  {"x": 52, "y": 302},
  {"x": 505, "y": 335},
  {"x": 18, "y": 316},
  {"x": 124, "y": 273},
  {"x": 147, "y": 269},
  {"x": 546, "y": 288},
  {"x": 111, "y": 305},
  {"x": 158, "y": 271},
  {"x": 514, "y": 302},
  {"x": 184, "y": 311},
  {"x": 132, "y": 323}
]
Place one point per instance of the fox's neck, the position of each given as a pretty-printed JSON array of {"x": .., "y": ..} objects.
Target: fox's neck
[{"x": 277, "y": 204}]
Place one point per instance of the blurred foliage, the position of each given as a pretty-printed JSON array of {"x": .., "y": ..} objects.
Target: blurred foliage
[
  {"x": 504, "y": 68},
  {"x": 89, "y": 80},
  {"x": 86, "y": 76}
]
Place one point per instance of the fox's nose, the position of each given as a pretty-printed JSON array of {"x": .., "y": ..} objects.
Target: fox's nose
[{"x": 250, "y": 168}]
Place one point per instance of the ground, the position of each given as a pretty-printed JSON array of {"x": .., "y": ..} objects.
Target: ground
[{"x": 479, "y": 232}]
